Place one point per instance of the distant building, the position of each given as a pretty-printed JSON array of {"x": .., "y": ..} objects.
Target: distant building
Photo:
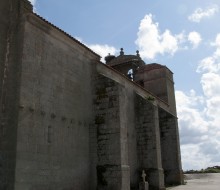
[{"x": 70, "y": 122}]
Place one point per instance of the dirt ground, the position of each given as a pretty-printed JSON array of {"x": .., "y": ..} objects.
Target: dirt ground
[{"x": 200, "y": 182}]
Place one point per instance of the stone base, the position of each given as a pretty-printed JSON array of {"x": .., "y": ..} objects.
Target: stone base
[
  {"x": 143, "y": 186},
  {"x": 174, "y": 177}
]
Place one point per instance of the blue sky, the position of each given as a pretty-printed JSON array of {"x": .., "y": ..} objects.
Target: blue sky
[{"x": 184, "y": 35}]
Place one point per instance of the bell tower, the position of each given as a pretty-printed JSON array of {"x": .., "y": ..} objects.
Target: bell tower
[
  {"x": 125, "y": 64},
  {"x": 158, "y": 79}
]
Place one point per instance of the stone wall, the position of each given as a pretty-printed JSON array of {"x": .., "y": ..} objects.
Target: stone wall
[
  {"x": 112, "y": 154},
  {"x": 55, "y": 110},
  {"x": 148, "y": 142},
  {"x": 10, "y": 50},
  {"x": 171, "y": 158},
  {"x": 158, "y": 80},
  {"x": 118, "y": 106}
]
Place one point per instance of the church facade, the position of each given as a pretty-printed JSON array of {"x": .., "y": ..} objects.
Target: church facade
[{"x": 71, "y": 122}]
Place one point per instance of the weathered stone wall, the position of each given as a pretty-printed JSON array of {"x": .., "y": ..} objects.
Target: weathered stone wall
[
  {"x": 171, "y": 92},
  {"x": 132, "y": 139},
  {"x": 110, "y": 123},
  {"x": 4, "y": 21},
  {"x": 10, "y": 40},
  {"x": 158, "y": 80},
  {"x": 171, "y": 158},
  {"x": 144, "y": 132},
  {"x": 55, "y": 110},
  {"x": 148, "y": 142}
]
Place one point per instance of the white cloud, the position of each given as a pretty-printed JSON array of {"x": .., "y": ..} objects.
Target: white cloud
[
  {"x": 200, "y": 14},
  {"x": 207, "y": 64},
  {"x": 33, "y": 2},
  {"x": 188, "y": 100},
  {"x": 192, "y": 158},
  {"x": 216, "y": 55},
  {"x": 210, "y": 148},
  {"x": 211, "y": 84},
  {"x": 217, "y": 41},
  {"x": 199, "y": 128},
  {"x": 211, "y": 63},
  {"x": 79, "y": 39},
  {"x": 151, "y": 42},
  {"x": 192, "y": 127},
  {"x": 194, "y": 38},
  {"x": 199, "y": 116},
  {"x": 103, "y": 50}
]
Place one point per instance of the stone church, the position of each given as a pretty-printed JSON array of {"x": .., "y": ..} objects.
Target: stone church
[{"x": 71, "y": 122}]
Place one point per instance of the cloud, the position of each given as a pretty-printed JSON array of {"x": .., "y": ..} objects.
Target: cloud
[
  {"x": 199, "y": 130},
  {"x": 193, "y": 128},
  {"x": 210, "y": 148},
  {"x": 217, "y": 41},
  {"x": 78, "y": 38},
  {"x": 200, "y": 14},
  {"x": 33, "y": 2},
  {"x": 207, "y": 64},
  {"x": 199, "y": 116},
  {"x": 211, "y": 64},
  {"x": 211, "y": 84},
  {"x": 192, "y": 157},
  {"x": 195, "y": 39},
  {"x": 151, "y": 42},
  {"x": 102, "y": 50}
]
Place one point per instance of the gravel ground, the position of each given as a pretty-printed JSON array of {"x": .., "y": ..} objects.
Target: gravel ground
[{"x": 200, "y": 182}]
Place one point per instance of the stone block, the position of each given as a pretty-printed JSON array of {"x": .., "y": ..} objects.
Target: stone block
[{"x": 143, "y": 186}]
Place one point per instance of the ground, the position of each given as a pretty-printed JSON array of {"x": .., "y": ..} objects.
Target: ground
[{"x": 200, "y": 182}]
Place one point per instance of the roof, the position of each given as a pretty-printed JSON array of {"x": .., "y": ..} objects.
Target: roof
[
  {"x": 153, "y": 66},
  {"x": 125, "y": 59}
]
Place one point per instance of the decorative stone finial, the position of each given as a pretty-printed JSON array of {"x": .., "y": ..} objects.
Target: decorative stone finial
[
  {"x": 138, "y": 53},
  {"x": 121, "y": 52},
  {"x": 109, "y": 57}
]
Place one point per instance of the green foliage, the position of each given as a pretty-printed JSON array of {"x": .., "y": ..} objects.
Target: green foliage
[
  {"x": 214, "y": 169},
  {"x": 150, "y": 98}
]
